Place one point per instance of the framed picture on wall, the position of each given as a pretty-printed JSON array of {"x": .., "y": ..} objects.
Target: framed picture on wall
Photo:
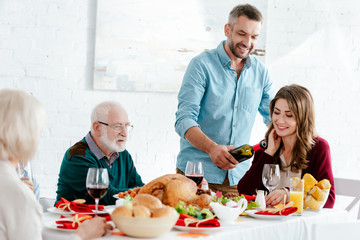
[{"x": 146, "y": 45}]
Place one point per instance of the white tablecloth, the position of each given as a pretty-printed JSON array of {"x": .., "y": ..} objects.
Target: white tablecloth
[{"x": 292, "y": 227}]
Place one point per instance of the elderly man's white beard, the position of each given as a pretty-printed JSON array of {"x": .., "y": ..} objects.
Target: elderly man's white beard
[{"x": 111, "y": 145}]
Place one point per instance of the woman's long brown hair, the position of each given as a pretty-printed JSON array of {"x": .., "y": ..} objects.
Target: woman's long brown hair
[{"x": 301, "y": 106}]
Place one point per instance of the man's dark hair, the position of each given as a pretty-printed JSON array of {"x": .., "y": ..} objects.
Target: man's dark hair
[{"x": 247, "y": 10}]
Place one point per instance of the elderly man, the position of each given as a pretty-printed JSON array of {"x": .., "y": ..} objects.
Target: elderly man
[{"x": 103, "y": 147}]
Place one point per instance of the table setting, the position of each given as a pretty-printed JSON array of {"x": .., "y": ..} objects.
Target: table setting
[
  {"x": 178, "y": 214},
  {"x": 244, "y": 227}
]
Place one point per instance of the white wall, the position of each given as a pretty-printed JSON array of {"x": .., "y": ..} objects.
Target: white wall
[
  {"x": 317, "y": 44},
  {"x": 47, "y": 48}
]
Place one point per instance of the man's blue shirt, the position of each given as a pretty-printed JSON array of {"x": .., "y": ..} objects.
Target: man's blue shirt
[{"x": 224, "y": 107}]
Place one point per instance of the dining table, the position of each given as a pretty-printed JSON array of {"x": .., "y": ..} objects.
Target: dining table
[{"x": 245, "y": 227}]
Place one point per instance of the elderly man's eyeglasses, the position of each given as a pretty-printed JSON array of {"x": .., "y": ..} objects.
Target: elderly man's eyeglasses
[{"x": 119, "y": 127}]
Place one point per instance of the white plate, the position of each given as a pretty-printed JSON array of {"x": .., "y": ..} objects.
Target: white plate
[
  {"x": 198, "y": 229},
  {"x": 251, "y": 213},
  {"x": 52, "y": 225},
  {"x": 59, "y": 211},
  {"x": 109, "y": 209}
]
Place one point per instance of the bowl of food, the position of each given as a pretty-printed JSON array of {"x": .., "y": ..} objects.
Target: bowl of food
[
  {"x": 147, "y": 217},
  {"x": 315, "y": 193}
]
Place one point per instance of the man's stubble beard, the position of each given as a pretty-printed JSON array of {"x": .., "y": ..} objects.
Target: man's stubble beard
[{"x": 233, "y": 46}]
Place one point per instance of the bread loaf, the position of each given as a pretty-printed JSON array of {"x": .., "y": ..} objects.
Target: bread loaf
[
  {"x": 147, "y": 200},
  {"x": 145, "y": 206},
  {"x": 141, "y": 211},
  {"x": 164, "y": 212},
  {"x": 124, "y": 211}
]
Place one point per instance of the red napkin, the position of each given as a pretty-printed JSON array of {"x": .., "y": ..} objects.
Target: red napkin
[
  {"x": 105, "y": 215},
  {"x": 72, "y": 222},
  {"x": 284, "y": 212},
  {"x": 248, "y": 197},
  {"x": 77, "y": 207},
  {"x": 207, "y": 223}
]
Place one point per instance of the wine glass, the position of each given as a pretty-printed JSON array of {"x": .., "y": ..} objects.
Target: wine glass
[
  {"x": 25, "y": 174},
  {"x": 195, "y": 171},
  {"x": 97, "y": 184},
  {"x": 24, "y": 170},
  {"x": 271, "y": 176}
]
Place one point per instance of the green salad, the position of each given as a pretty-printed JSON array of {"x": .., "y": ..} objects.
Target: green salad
[
  {"x": 194, "y": 211},
  {"x": 223, "y": 200}
]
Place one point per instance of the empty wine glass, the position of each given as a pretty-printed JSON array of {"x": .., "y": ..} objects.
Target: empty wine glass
[
  {"x": 24, "y": 170},
  {"x": 25, "y": 174},
  {"x": 195, "y": 171},
  {"x": 97, "y": 184},
  {"x": 271, "y": 176}
]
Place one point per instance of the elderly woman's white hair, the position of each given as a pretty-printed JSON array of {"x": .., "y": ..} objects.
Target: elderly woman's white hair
[
  {"x": 21, "y": 121},
  {"x": 101, "y": 111}
]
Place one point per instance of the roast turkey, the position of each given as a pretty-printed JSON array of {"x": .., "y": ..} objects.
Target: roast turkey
[{"x": 173, "y": 188}]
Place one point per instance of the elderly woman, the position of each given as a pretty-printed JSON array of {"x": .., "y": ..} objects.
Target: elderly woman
[
  {"x": 21, "y": 122},
  {"x": 292, "y": 143}
]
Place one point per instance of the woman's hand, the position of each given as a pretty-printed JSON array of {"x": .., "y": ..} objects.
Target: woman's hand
[
  {"x": 275, "y": 197},
  {"x": 93, "y": 228},
  {"x": 273, "y": 143},
  {"x": 28, "y": 182}
]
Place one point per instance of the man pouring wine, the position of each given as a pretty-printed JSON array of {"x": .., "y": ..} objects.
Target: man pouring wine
[{"x": 221, "y": 93}]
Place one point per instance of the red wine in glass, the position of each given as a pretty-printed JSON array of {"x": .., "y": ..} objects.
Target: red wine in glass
[
  {"x": 96, "y": 191},
  {"x": 97, "y": 183},
  {"x": 195, "y": 171},
  {"x": 196, "y": 178}
]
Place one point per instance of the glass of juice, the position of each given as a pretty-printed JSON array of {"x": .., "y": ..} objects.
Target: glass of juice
[{"x": 297, "y": 194}]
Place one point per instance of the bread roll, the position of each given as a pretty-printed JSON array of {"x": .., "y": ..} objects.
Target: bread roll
[
  {"x": 141, "y": 211},
  {"x": 147, "y": 200},
  {"x": 164, "y": 212},
  {"x": 309, "y": 182},
  {"x": 324, "y": 184},
  {"x": 122, "y": 211}
]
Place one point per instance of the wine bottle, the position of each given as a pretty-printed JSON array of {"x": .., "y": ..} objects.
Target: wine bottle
[{"x": 244, "y": 152}]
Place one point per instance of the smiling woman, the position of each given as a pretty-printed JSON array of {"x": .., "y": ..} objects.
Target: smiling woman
[
  {"x": 283, "y": 121},
  {"x": 293, "y": 144}
]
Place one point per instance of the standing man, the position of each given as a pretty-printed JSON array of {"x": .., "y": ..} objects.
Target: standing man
[
  {"x": 102, "y": 147},
  {"x": 221, "y": 93}
]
